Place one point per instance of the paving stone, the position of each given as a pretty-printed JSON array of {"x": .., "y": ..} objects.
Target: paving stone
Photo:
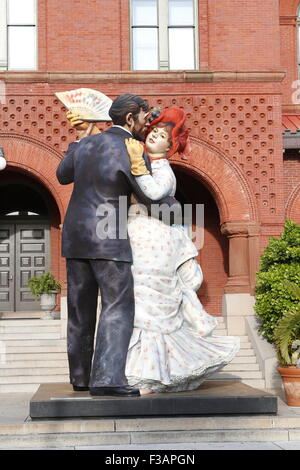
[{"x": 210, "y": 436}]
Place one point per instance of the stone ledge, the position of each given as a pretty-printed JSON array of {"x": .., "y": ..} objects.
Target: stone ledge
[{"x": 142, "y": 77}]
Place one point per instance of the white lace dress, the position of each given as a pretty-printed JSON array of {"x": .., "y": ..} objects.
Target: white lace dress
[{"x": 172, "y": 347}]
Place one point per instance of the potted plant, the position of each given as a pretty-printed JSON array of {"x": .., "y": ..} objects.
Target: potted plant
[
  {"x": 287, "y": 343},
  {"x": 45, "y": 288},
  {"x": 279, "y": 262},
  {"x": 277, "y": 298}
]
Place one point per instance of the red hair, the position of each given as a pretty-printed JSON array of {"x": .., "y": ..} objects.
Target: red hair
[{"x": 179, "y": 134}]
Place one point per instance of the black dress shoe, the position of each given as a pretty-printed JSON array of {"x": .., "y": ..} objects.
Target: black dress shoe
[
  {"x": 115, "y": 391},
  {"x": 78, "y": 388}
]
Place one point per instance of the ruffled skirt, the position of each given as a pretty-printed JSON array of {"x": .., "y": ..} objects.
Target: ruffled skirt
[{"x": 178, "y": 361}]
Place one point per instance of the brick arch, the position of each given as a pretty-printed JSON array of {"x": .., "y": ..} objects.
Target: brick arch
[
  {"x": 289, "y": 8},
  {"x": 40, "y": 161},
  {"x": 293, "y": 205},
  {"x": 223, "y": 178},
  {"x": 36, "y": 159}
]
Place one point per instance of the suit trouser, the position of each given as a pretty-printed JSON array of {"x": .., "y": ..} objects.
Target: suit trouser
[{"x": 114, "y": 278}]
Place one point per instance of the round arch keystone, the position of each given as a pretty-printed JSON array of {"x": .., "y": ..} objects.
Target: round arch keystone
[
  {"x": 293, "y": 205},
  {"x": 223, "y": 178},
  {"x": 39, "y": 160}
]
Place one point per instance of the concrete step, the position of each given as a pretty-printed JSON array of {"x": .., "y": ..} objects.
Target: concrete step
[
  {"x": 53, "y": 356},
  {"x": 90, "y": 440},
  {"x": 246, "y": 353},
  {"x": 35, "y": 349},
  {"x": 237, "y": 375},
  {"x": 24, "y": 365},
  {"x": 23, "y": 379},
  {"x": 244, "y": 360},
  {"x": 31, "y": 372},
  {"x": 28, "y": 336},
  {"x": 245, "y": 345},
  {"x": 19, "y": 388},
  {"x": 31, "y": 323},
  {"x": 255, "y": 383},
  {"x": 34, "y": 329},
  {"x": 35, "y": 342},
  {"x": 233, "y": 367}
]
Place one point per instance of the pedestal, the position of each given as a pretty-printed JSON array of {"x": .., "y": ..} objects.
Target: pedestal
[{"x": 212, "y": 398}]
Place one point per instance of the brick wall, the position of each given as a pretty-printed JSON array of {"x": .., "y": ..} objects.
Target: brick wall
[{"x": 240, "y": 115}]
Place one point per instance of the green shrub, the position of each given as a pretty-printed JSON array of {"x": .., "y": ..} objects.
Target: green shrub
[
  {"x": 279, "y": 263},
  {"x": 45, "y": 284}
]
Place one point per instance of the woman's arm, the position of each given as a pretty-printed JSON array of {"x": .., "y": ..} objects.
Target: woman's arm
[
  {"x": 157, "y": 185},
  {"x": 190, "y": 274}
]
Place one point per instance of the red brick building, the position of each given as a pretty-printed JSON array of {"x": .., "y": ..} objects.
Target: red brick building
[{"x": 237, "y": 83}]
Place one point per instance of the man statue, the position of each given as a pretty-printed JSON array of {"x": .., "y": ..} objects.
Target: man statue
[{"x": 99, "y": 167}]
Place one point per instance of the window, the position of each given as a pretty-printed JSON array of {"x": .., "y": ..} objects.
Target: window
[
  {"x": 163, "y": 34},
  {"x": 18, "y": 35}
]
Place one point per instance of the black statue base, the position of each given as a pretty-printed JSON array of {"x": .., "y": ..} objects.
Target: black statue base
[{"x": 212, "y": 398}]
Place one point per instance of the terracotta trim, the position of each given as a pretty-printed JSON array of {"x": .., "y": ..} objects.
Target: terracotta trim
[
  {"x": 32, "y": 141},
  {"x": 293, "y": 203},
  {"x": 291, "y": 108},
  {"x": 288, "y": 20},
  {"x": 142, "y": 77},
  {"x": 194, "y": 165}
]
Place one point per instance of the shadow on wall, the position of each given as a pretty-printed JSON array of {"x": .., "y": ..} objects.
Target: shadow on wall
[{"x": 214, "y": 256}]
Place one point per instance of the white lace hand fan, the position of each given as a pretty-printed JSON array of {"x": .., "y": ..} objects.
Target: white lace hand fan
[{"x": 90, "y": 105}]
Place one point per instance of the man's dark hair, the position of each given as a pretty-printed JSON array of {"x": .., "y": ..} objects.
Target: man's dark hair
[{"x": 125, "y": 104}]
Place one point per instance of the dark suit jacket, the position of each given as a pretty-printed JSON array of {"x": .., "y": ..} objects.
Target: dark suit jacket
[{"x": 99, "y": 167}]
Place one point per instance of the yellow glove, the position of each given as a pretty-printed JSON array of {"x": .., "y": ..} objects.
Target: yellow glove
[
  {"x": 135, "y": 151},
  {"x": 84, "y": 128}
]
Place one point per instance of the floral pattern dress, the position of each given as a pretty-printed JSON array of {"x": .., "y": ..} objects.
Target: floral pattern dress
[{"x": 172, "y": 347}]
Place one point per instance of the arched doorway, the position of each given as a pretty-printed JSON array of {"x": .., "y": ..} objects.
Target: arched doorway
[
  {"x": 213, "y": 256},
  {"x": 28, "y": 217}
]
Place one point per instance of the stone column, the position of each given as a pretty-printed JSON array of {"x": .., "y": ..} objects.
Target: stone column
[
  {"x": 238, "y": 279},
  {"x": 238, "y": 299}
]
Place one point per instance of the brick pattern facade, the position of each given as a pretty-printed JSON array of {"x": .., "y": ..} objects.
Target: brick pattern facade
[{"x": 234, "y": 110}]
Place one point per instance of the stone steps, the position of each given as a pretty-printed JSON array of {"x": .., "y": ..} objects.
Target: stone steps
[
  {"x": 244, "y": 360},
  {"x": 35, "y": 353},
  {"x": 28, "y": 336},
  {"x": 38, "y": 379},
  {"x": 159, "y": 430},
  {"x": 247, "y": 352},
  {"x": 234, "y": 367},
  {"x": 31, "y": 373},
  {"x": 35, "y": 342},
  {"x": 25, "y": 365},
  {"x": 29, "y": 323},
  {"x": 53, "y": 356},
  {"x": 29, "y": 330}
]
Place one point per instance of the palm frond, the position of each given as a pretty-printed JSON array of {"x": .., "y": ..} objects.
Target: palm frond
[{"x": 287, "y": 330}]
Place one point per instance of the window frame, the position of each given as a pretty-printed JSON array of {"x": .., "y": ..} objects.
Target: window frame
[
  {"x": 5, "y": 65},
  {"x": 163, "y": 49}
]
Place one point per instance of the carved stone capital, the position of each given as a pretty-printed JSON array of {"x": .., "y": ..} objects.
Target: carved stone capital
[
  {"x": 240, "y": 229},
  {"x": 234, "y": 229}
]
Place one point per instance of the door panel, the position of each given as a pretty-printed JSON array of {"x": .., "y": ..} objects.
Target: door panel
[
  {"x": 32, "y": 259},
  {"x": 7, "y": 267}
]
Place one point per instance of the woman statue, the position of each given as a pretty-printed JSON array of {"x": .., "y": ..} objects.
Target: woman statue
[{"x": 172, "y": 347}]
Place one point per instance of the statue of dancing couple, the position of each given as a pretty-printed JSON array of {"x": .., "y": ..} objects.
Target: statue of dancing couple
[{"x": 153, "y": 334}]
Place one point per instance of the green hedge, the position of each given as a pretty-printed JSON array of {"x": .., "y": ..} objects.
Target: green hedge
[{"x": 280, "y": 261}]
